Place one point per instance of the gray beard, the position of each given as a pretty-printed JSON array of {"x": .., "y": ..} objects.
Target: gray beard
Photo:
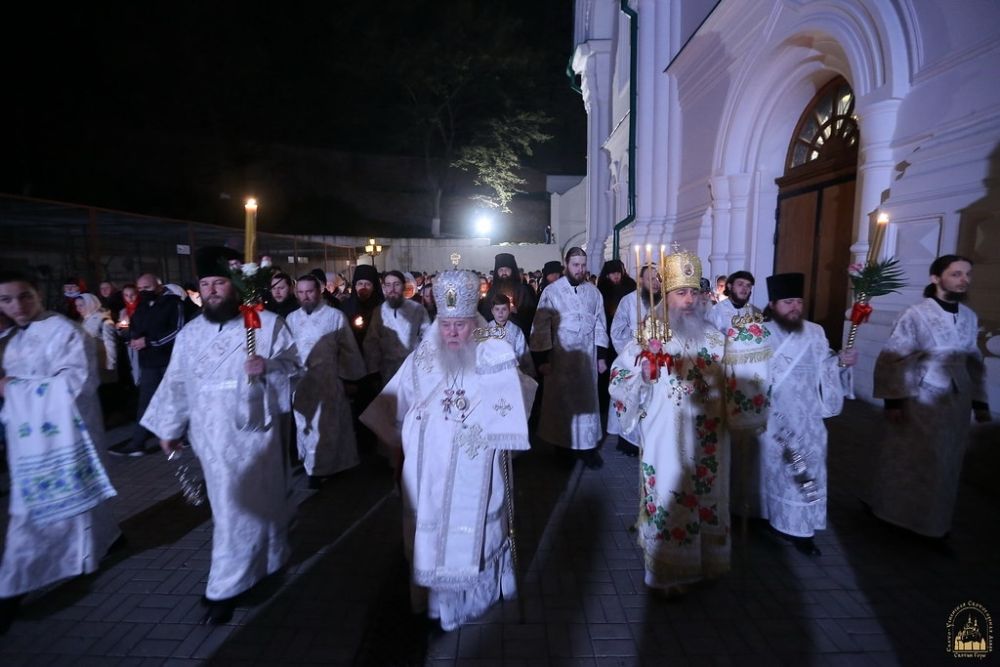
[
  {"x": 688, "y": 327},
  {"x": 454, "y": 362}
]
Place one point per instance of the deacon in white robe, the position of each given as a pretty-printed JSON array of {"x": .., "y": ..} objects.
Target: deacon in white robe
[
  {"x": 59, "y": 525},
  {"x": 748, "y": 389},
  {"x": 931, "y": 375},
  {"x": 396, "y": 328},
  {"x": 452, "y": 411},
  {"x": 632, "y": 309},
  {"x": 233, "y": 424},
  {"x": 329, "y": 356},
  {"x": 808, "y": 385},
  {"x": 683, "y": 522},
  {"x": 569, "y": 337}
]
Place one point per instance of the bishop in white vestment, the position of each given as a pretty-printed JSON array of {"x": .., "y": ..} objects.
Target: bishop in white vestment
[
  {"x": 329, "y": 356},
  {"x": 568, "y": 338},
  {"x": 931, "y": 375},
  {"x": 59, "y": 524},
  {"x": 453, "y": 410},
  {"x": 230, "y": 409},
  {"x": 672, "y": 393}
]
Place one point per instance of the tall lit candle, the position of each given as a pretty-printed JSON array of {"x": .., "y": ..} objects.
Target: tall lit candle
[
  {"x": 250, "y": 241},
  {"x": 638, "y": 295},
  {"x": 662, "y": 274},
  {"x": 878, "y": 236},
  {"x": 649, "y": 260}
]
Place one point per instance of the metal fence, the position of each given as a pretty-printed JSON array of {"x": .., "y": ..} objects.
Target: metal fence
[{"x": 54, "y": 241}]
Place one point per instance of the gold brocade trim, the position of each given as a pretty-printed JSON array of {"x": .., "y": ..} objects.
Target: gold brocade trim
[{"x": 733, "y": 358}]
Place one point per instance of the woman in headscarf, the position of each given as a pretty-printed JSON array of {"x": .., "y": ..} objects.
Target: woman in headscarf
[{"x": 96, "y": 321}]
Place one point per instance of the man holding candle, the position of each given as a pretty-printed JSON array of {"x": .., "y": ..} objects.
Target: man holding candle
[
  {"x": 931, "y": 375},
  {"x": 632, "y": 310},
  {"x": 507, "y": 281},
  {"x": 205, "y": 397},
  {"x": 670, "y": 390},
  {"x": 569, "y": 341},
  {"x": 808, "y": 384}
]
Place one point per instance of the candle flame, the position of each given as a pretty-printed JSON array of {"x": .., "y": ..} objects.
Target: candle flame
[
  {"x": 882, "y": 219},
  {"x": 251, "y": 204}
]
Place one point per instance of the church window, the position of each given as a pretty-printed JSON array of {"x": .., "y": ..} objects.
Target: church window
[{"x": 827, "y": 129}]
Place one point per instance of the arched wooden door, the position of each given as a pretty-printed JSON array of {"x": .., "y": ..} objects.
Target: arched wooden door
[{"x": 816, "y": 204}]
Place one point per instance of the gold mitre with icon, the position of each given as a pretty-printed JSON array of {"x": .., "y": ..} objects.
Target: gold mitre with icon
[
  {"x": 681, "y": 269},
  {"x": 456, "y": 292}
]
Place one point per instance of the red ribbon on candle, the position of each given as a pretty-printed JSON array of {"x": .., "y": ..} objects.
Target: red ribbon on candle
[
  {"x": 656, "y": 360},
  {"x": 251, "y": 320},
  {"x": 860, "y": 313}
]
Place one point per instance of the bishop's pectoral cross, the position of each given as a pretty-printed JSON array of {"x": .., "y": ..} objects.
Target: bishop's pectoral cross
[{"x": 455, "y": 398}]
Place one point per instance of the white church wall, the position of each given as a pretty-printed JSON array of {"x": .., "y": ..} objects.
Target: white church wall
[{"x": 923, "y": 73}]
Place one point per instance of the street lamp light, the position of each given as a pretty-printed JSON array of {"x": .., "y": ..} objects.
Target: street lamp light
[
  {"x": 484, "y": 224},
  {"x": 373, "y": 249}
]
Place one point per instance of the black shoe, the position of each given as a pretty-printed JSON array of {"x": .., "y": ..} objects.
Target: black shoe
[
  {"x": 8, "y": 611},
  {"x": 592, "y": 459},
  {"x": 219, "y": 611},
  {"x": 627, "y": 448},
  {"x": 126, "y": 449},
  {"x": 807, "y": 546}
]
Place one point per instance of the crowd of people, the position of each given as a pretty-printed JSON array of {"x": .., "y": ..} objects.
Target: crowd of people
[{"x": 445, "y": 376}]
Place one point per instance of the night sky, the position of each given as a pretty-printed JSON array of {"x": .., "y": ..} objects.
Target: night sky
[{"x": 97, "y": 94}]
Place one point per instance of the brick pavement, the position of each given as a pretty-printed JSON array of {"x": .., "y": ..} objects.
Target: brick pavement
[{"x": 874, "y": 597}]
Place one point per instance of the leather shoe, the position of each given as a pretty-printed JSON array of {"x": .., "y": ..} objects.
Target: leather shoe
[
  {"x": 807, "y": 546},
  {"x": 219, "y": 611}
]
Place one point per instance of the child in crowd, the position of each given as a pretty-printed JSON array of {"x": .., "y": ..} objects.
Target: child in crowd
[{"x": 501, "y": 316}]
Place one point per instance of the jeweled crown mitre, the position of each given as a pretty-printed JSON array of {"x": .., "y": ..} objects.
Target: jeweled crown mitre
[
  {"x": 456, "y": 293},
  {"x": 681, "y": 269}
]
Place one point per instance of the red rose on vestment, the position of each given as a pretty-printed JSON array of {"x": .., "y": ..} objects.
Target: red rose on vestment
[
  {"x": 689, "y": 501},
  {"x": 758, "y": 400},
  {"x": 678, "y": 534},
  {"x": 650, "y": 509},
  {"x": 706, "y": 514},
  {"x": 701, "y": 471}
]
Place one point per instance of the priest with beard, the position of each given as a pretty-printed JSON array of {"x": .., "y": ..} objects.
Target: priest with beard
[
  {"x": 232, "y": 409},
  {"x": 330, "y": 359},
  {"x": 931, "y": 376},
  {"x": 739, "y": 287},
  {"x": 569, "y": 342},
  {"x": 366, "y": 296},
  {"x": 808, "y": 384},
  {"x": 452, "y": 413},
  {"x": 395, "y": 329},
  {"x": 748, "y": 351},
  {"x": 676, "y": 404},
  {"x": 507, "y": 280}
]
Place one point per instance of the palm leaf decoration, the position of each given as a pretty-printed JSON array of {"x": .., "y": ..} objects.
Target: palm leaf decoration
[
  {"x": 878, "y": 278},
  {"x": 252, "y": 287}
]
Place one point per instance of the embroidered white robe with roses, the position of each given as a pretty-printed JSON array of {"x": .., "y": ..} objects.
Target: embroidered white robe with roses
[
  {"x": 53, "y": 353},
  {"x": 205, "y": 395},
  {"x": 570, "y": 325},
  {"x": 454, "y": 520},
  {"x": 748, "y": 395},
  {"x": 931, "y": 359},
  {"x": 683, "y": 525},
  {"x": 808, "y": 386},
  {"x": 328, "y": 354}
]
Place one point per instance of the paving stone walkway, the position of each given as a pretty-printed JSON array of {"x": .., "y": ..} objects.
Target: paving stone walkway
[{"x": 875, "y": 596}]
